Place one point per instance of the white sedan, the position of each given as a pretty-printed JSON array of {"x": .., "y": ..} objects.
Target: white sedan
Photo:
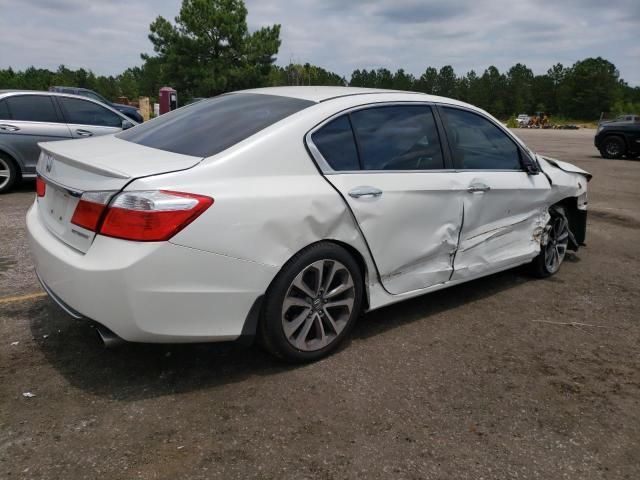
[{"x": 287, "y": 212}]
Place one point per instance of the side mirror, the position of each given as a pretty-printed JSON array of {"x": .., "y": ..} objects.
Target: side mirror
[
  {"x": 126, "y": 124},
  {"x": 529, "y": 164}
]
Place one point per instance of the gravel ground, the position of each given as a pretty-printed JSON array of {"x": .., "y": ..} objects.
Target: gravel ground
[{"x": 470, "y": 382}]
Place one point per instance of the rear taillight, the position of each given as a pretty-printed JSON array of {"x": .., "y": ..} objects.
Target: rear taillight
[
  {"x": 41, "y": 187},
  {"x": 151, "y": 216},
  {"x": 90, "y": 209}
]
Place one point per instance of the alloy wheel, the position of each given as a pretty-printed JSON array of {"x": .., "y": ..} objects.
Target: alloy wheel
[
  {"x": 5, "y": 173},
  {"x": 613, "y": 148},
  {"x": 318, "y": 305},
  {"x": 557, "y": 242}
]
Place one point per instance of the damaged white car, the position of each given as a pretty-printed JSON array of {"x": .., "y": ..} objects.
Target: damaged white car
[{"x": 286, "y": 212}]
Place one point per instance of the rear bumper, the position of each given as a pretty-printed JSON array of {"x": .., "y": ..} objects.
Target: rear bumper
[{"x": 149, "y": 292}]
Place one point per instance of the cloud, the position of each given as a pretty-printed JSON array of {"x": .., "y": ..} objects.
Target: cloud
[
  {"x": 342, "y": 35},
  {"x": 420, "y": 12}
]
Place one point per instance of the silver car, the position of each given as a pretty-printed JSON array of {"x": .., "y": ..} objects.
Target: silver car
[{"x": 29, "y": 117}]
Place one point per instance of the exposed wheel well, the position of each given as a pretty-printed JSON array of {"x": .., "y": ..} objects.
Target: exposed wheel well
[
  {"x": 577, "y": 221},
  {"x": 363, "y": 270}
]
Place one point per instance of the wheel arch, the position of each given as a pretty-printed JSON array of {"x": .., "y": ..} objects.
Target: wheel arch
[
  {"x": 577, "y": 219},
  {"x": 353, "y": 251},
  {"x": 617, "y": 134},
  {"x": 11, "y": 157},
  {"x": 362, "y": 264}
]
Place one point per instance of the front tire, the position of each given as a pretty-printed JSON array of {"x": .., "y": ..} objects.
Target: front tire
[
  {"x": 312, "y": 304},
  {"x": 613, "y": 147},
  {"x": 9, "y": 174},
  {"x": 554, "y": 245}
]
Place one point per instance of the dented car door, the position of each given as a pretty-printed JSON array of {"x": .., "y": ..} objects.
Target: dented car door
[
  {"x": 503, "y": 219},
  {"x": 395, "y": 182},
  {"x": 504, "y": 207},
  {"x": 411, "y": 222}
]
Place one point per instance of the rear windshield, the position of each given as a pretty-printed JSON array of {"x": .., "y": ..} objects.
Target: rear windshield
[{"x": 215, "y": 124}]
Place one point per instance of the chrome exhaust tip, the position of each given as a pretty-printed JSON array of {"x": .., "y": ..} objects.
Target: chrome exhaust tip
[{"x": 110, "y": 339}]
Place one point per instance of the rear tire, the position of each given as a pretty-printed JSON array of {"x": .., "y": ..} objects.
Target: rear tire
[
  {"x": 312, "y": 304},
  {"x": 613, "y": 147},
  {"x": 9, "y": 173},
  {"x": 554, "y": 246}
]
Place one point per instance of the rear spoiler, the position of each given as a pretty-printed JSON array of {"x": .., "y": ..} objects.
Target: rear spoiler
[{"x": 93, "y": 167}]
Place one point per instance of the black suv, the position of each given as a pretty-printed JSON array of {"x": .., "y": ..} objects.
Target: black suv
[
  {"x": 619, "y": 137},
  {"x": 128, "y": 110}
]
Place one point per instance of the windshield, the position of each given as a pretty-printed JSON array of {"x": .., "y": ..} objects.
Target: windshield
[{"x": 211, "y": 126}]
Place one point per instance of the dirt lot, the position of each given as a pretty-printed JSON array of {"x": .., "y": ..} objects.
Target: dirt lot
[{"x": 464, "y": 383}]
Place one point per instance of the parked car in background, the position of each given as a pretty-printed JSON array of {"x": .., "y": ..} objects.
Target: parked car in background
[
  {"x": 523, "y": 120},
  {"x": 29, "y": 117},
  {"x": 131, "y": 112},
  {"x": 619, "y": 137},
  {"x": 628, "y": 118},
  {"x": 286, "y": 212}
]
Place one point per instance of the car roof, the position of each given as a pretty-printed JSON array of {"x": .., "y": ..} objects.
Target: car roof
[
  {"x": 4, "y": 93},
  {"x": 39, "y": 92},
  {"x": 9, "y": 93},
  {"x": 322, "y": 94},
  {"x": 72, "y": 88},
  {"x": 356, "y": 95}
]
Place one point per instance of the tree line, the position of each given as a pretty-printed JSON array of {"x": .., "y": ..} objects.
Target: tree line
[{"x": 209, "y": 50}]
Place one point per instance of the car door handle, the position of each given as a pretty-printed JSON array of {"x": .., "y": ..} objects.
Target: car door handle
[
  {"x": 8, "y": 128},
  {"x": 478, "y": 187},
  {"x": 84, "y": 133},
  {"x": 365, "y": 191}
]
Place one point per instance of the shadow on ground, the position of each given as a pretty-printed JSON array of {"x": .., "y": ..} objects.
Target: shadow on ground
[{"x": 136, "y": 371}]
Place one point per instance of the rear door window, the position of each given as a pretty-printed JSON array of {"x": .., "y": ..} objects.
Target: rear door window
[
  {"x": 403, "y": 137},
  {"x": 211, "y": 126},
  {"x": 32, "y": 108},
  {"x": 84, "y": 112},
  {"x": 336, "y": 144}
]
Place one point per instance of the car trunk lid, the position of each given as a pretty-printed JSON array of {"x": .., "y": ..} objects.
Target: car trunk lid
[{"x": 70, "y": 168}]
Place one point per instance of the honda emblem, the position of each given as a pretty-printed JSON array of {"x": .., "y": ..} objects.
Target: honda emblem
[{"x": 48, "y": 163}]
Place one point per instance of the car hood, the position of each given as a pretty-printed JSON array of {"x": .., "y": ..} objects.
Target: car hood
[
  {"x": 618, "y": 123},
  {"x": 567, "y": 167}
]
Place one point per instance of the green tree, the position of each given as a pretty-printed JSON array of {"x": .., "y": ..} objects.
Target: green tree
[
  {"x": 384, "y": 78},
  {"x": 475, "y": 92},
  {"x": 209, "y": 49},
  {"x": 519, "y": 94},
  {"x": 127, "y": 83},
  {"x": 493, "y": 85},
  {"x": 307, "y": 74},
  {"x": 403, "y": 81},
  {"x": 589, "y": 87},
  {"x": 427, "y": 81},
  {"x": 446, "y": 82}
]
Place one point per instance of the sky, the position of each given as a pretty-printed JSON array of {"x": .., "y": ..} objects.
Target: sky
[{"x": 342, "y": 35}]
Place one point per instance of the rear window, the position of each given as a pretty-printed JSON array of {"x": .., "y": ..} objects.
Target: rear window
[{"x": 213, "y": 125}]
